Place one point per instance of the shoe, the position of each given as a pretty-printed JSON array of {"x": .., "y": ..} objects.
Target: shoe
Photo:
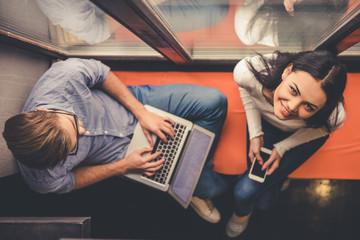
[
  {"x": 234, "y": 229},
  {"x": 205, "y": 209},
  {"x": 285, "y": 185}
]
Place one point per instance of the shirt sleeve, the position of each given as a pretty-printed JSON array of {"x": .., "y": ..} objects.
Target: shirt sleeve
[
  {"x": 56, "y": 180},
  {"x": 247, "y": 83},
  {"x": 89, "y": 72},
  {"x": 72, "y": 77},
  {"x": 304, "y": 135}
]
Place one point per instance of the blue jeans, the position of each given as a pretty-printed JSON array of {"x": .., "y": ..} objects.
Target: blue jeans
[
  {"x": 205, "y": 106},
  {"x": 248, "y": 193}
]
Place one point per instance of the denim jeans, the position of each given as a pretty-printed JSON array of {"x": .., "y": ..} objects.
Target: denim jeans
[
  {"x": 205, "y": 106},
  {"x": 248, "y": 193}
]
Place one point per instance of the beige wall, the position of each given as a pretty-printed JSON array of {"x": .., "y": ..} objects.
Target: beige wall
[{"x": 19, "y": 70}]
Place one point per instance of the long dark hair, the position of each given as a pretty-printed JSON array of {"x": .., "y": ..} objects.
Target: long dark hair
[{"x": 320, "y": 64}]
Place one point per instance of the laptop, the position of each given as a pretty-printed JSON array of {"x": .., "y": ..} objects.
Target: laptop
[{"x": 185, "y": 156}]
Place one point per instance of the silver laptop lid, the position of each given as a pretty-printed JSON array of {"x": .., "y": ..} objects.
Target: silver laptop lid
[{"x": 190, "y": 167}]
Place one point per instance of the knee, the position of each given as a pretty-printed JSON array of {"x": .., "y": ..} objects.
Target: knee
[
  {"x": 219, "y": 98},
  {"x": 215, "y": 100},
  {"x": 244, "y": 192},
  {"x": 210, "y": 185}
]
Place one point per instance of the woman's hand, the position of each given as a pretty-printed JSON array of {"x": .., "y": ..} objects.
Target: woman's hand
[
  {"x": 273, "y": 162},
  {"x": 289, "y": 6},
  {"x": 254, "y": 150},
  {"x": 159, "y": 125}
]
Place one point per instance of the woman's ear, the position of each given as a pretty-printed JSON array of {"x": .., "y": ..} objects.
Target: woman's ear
[{"x": 286, "y": 71}]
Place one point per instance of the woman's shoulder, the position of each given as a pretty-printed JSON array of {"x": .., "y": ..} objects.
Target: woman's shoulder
[
  {"x": 243, "y": 76},
  {"x": 337, "y": 117}
]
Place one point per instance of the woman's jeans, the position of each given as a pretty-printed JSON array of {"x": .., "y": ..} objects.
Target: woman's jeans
[{"x": 249, "y": 193}]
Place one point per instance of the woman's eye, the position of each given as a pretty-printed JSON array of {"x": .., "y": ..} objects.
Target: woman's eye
[
  {"x": 308, "y": 107},
  {"x": 293, "y": 91}
]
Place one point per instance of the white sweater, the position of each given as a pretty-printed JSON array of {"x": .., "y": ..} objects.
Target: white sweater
[{"x": 256, "y": 106}]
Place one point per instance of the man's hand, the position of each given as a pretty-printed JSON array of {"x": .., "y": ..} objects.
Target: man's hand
[
  {"x": 135, "y": 162},
  {"x": 273, "y": 162},
  {"x": 150, "y": 122},
  {"x": 159, "y": 125}
]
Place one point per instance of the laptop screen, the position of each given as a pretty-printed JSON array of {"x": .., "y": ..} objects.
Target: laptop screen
[{"x": 189, "y": 170}]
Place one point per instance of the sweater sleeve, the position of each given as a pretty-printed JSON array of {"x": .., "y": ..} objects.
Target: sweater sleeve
[
  {"x": 304, "y": 135},
  {"x": 247, "y": 83}
]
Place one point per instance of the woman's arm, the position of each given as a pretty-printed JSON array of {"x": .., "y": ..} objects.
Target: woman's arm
[
  {"x": 247, "y": 84},
  {"x": 303, "y": 135}
]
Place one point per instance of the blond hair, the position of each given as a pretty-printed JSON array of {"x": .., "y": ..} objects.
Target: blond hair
[{"x": 36, "y": 139}]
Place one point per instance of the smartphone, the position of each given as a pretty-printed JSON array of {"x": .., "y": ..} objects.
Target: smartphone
[{"x": 255, "y": 172}]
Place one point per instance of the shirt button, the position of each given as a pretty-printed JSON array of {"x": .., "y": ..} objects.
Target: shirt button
[
  {"x": 87, "y": 132},
  {"x": 121, "y": 135},
  {"x": 106, "y": 132}
]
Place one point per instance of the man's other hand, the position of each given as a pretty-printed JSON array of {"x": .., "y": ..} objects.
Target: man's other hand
[
  {"x": 136, "y": 162},
  {"x": 159, "y": 125}
]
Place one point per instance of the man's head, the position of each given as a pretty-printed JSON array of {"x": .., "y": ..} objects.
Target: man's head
[{"x": 44, "y": 138}]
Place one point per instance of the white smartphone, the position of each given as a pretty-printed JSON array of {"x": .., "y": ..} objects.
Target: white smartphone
[{"x": 255, "y": 172}]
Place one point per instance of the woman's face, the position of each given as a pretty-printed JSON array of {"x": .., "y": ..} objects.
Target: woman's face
[{"x": 299, "y": 96}]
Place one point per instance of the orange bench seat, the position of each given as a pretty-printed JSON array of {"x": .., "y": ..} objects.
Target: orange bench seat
[{"x": 339, "y": 158}]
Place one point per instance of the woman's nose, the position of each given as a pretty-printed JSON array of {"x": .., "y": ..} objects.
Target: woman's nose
[{"x": 293, "y": 105}]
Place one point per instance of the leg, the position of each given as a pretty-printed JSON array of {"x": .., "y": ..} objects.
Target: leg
[
  {"x": 212, "y": 184},
  {"x": 249, "y": 193},
  {"x": 206, "y": 107}
]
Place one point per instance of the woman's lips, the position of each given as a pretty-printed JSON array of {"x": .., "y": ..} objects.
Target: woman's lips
[{"x": 284, "y": 111}]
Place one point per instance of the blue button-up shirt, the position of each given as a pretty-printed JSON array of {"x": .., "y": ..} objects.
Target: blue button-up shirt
[{"x": 73, "y": 86}]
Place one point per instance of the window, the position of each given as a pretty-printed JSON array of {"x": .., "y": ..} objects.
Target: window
[{"x": 185, "y": 31}]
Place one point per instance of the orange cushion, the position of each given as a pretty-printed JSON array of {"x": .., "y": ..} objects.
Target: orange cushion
[{"x": 337, "y": 159}]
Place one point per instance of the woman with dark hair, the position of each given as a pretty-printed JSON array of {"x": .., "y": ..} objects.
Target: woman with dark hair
[{"x": 292, "y": 103}]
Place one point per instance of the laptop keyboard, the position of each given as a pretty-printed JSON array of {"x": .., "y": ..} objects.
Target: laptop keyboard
[{"x": 168, "y": 152}]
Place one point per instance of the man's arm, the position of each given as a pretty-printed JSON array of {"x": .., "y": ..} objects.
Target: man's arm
[
  {"x": 149, "y": 121},
  {"x": 87, "y": 175}
]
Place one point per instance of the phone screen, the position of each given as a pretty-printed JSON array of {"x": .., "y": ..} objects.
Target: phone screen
[{"x": 257, "y": 167}]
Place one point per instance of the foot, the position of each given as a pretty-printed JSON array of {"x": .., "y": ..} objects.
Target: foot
[
  {"x": 285, "y": 185},
  {"x": 205, "y": 209},
  {"x": 236, "y": 225}
]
